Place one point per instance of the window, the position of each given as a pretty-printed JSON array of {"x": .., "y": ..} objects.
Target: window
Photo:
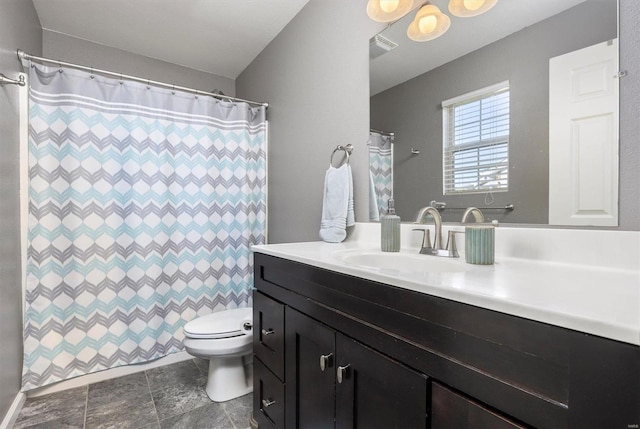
[{"x": 476, "y": 141}]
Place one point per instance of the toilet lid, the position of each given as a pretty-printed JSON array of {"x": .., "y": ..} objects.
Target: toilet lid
[{"x": 221, "y": 324}]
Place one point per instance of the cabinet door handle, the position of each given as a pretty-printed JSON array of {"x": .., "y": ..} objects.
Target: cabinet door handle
[
  {"x": 266, "y": 332},
  {"x": 266, "y": 403},
  {"x": 343, "y": 372},
  {"x": 325, "y": 361}
]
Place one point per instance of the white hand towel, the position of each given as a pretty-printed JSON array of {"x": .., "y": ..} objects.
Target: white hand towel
[
  {"x": 374, "y": 214},
  {"x": 335, "y": 204},
  {"x": 351, "y": 216}
]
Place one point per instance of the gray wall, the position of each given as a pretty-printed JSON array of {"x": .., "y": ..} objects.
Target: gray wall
[
  {"x": 71, "y": 49},
  {"x": 629, "y": 111},
  {"x": 19, "y": 29},
  {"x": 412, "y": 110},
  {"x": 315, "y": 76}
]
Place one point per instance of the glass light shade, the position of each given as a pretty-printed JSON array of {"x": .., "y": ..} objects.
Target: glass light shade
[
  {"x": 469, "y": 8},
  {"x": 428, "y": 24},
  {"x": 388, "y": 10}
]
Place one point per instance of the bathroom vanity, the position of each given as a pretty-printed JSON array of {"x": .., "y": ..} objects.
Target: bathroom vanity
[{"x": 337, "y": 347}]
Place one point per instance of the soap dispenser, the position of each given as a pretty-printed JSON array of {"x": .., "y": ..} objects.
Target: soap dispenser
[{"x": 390, "y": 233}]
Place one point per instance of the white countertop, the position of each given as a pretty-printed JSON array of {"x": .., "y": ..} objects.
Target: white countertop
[{"x": 598, "y": 300}]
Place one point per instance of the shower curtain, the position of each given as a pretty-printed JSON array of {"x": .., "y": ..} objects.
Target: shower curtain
[
  {"x": 381, "y": 173},
  {"x": 143, "y": 203}
]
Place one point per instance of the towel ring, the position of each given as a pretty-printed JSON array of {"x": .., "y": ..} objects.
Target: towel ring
[{"x": 347, "y": 150}]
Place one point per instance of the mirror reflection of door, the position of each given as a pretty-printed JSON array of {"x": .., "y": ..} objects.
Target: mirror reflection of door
[
  {"x": 583, "y": 136},
  {"x": 380, "y": 172}
]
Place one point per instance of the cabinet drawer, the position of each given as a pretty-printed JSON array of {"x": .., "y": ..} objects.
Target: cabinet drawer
[
  {"x": 268, "y": 397},
  {"x": 268, "y": 333},
  {"x": 451, "y": 410}
]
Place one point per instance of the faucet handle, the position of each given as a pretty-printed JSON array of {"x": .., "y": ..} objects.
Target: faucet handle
[
  {"x": 426, "y": 240},
  {"x": 451, "y": 243}
]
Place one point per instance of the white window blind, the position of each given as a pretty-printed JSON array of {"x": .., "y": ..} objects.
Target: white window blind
[{"x": 476, "y": 141}]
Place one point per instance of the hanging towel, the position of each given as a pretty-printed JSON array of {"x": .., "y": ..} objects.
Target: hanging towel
[
  {"x": 374, "y": 214},
  {"x": 337, "y": 204},
  {"x": 351, "y": 216}
]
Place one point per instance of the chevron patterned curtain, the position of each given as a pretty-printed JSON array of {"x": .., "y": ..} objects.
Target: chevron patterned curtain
[
  {"x": 143, "y": 203},
  {"x": 381, "y": 169}
]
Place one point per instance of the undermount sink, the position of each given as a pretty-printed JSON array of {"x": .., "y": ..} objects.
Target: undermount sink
[{"x": 401, "y": 262}]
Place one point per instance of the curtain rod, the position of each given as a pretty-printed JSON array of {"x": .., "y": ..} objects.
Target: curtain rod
[
  {"x": 24, "y": 56},
  {"x": 384, "y": 133}
]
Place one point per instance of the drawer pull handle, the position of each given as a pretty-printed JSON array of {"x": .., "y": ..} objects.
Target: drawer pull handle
[
  {"x": 266, "y": 332},
  {"x": 343, "y": 372},
  {"x": 266, "y": 403},
  {"x": 325, "y": 361}
]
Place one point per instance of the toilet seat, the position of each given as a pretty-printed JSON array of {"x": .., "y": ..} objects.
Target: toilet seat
[{"x": 220, "y": 325}]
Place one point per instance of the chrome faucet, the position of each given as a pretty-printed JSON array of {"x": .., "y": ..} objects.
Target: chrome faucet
[
  {"x": 437, "y": 220},
  {"x": 477, "y": 214},
  {"x": 436, "y": 249}
]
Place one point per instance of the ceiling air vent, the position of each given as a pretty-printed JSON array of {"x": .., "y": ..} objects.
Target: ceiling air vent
[{"x": 379, "y": 45}]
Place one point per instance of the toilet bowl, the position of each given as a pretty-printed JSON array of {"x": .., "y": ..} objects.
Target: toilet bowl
[{"x": 225, "y": 339}]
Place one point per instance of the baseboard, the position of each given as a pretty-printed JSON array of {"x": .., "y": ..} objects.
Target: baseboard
[
  {"x": 108, "y": 374},
  {"x": 13, "y": 412}
]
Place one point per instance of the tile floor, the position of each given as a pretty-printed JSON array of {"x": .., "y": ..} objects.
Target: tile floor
[{"x": 172, "y": 396}]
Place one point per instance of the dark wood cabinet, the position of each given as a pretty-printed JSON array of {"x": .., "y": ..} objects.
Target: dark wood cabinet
[
  {"x": 268, "y": 364},
  {"x": 268, "y": 333},
  {"x": 376, "y": 391},
  {"x": 450, "y": 410},
  {"x": 334, "y": 381},
  {"x": 310, "y": 387},
  {"x": 268, "y": 397},
  {"x": 412, "y": 360}
]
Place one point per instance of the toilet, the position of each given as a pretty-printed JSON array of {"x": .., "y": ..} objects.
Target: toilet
[{"x": 225, "y": 339}]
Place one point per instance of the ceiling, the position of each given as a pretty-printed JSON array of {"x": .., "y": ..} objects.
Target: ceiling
[
  {"x": 411, "y": 59},
  {"x": 217, "y": 36}
]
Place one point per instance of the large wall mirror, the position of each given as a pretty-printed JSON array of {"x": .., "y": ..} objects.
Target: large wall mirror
[{"x": 520, "y": 44}]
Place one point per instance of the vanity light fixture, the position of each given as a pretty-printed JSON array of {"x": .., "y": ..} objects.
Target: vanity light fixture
[
  {"x": 429, "y": 23},
  {"x": 469, "y": 8},
  {"x": 388, "y": 10}
]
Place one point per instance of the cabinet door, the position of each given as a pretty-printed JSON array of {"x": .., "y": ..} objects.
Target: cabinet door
[
  {"x": 310, "y": 376},
  {"x": 374, "y": 391},
  {"x": 268, "y": 332},
  {"x": 268, "y": 397},
  {"x": 451, "y": 410}
]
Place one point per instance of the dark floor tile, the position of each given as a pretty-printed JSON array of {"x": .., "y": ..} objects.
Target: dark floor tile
[
  {"x": 239, "y": 410},
  {"x": 177, "y": 373},
  {"x": 132, "y": 387},
  {"x": 72, "y": 419},
  {"x": 125, "y": 414},
  {"x": 180, "y": 397},
  {"x": 60, "y": 409},
  {"x": 211, "y": 416}
]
